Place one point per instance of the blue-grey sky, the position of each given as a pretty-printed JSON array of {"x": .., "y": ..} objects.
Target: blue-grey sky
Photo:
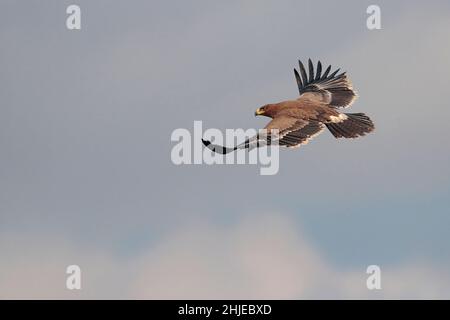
[{"x": 86, "y": 177}]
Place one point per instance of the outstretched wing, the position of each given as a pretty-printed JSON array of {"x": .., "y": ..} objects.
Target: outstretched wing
[
  {"x": 334, "y": 89},
  {"x": 259, "y": 140},
  {"x": 294, "y": 132}
]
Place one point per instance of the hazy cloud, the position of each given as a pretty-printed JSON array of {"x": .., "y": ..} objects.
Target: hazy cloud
[{"x": 262, "y": 256}]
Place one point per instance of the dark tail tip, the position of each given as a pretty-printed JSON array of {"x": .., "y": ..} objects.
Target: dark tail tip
[{"x": 206, "y": 142}]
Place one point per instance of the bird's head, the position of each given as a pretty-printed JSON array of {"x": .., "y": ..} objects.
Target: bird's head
[{"x": 262, "y": 111}]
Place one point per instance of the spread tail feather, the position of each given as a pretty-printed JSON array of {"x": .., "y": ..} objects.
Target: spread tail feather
[{"x": 356, "y": 125}]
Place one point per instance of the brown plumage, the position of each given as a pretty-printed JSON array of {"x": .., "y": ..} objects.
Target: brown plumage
[{"x": 317, "y": 107}]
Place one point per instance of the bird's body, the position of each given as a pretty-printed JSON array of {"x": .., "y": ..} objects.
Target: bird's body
[
  {"x": 297, "y": 121},
  {"x": 302, "y": 108}
]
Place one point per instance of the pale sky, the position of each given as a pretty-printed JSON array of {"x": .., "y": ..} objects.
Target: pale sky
[{"x": 86, "y": 177}]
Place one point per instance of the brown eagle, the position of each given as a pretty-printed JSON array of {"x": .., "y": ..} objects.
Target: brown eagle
[{"x": 297, "y": 121}]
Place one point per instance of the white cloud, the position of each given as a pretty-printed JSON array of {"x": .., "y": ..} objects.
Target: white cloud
[
  {"x": 260, "y": 257},
  {"x": 264, "y": 257}
]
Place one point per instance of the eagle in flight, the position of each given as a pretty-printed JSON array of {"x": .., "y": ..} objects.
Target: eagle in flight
[{"x": 298, "y": 121}]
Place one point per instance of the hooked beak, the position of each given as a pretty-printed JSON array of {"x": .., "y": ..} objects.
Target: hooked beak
[{"x": 259, "y": 112}]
